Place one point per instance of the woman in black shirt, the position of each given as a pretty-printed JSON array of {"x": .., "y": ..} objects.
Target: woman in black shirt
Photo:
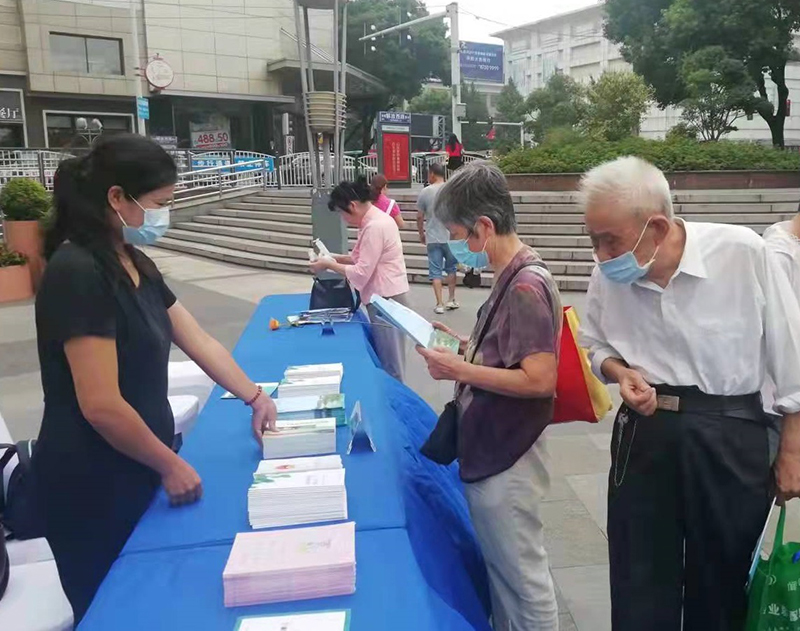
[{"x": 105, "y": 321}]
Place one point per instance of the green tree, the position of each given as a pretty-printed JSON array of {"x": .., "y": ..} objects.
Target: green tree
[
  {"x": 402, "y": 64},
  {"x": 511, "y": 108},
  {"x": 560, "y": 103},
  {"x": 432, "y": 101},
  {"x": 616, "y": 103},
  {"x": 656, "y": 36},
  {"x": 719, "y": 92},
  {"x": 473, "y": 134}
]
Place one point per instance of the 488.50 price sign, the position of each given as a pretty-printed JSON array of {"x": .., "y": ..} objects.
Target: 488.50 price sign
[{"x": 211, "y": 139}]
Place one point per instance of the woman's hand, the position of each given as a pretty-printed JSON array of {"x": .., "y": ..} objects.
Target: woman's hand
[
  {"x": 463, "y": 341},
  {"x": 442, "y": 364},
  {"x": 322, "y": 264},
  {"x": 181, "y": 483},
  {"x": 265, "y": 416}
]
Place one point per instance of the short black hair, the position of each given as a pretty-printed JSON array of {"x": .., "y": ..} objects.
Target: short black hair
[
  {"x": 437, "y": 170},
  {"x": 348, "y": 192}
]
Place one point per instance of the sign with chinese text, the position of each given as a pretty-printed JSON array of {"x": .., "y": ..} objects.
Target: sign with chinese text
[
  {"x": 481, "y": 62},
  {"x": 143, "y": 107},
  {"x": 394, "y": 118},
  {"x": 211, "y": 139},
  {"x": 397, "y": 157},
  {"x": 11, "y": 106},
  {"x": 168, "y": 142}
]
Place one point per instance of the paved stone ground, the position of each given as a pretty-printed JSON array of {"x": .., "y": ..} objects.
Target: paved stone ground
[{"x": 223, "y": 297}]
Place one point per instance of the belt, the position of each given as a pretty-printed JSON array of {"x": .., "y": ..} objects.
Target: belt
[{"x": 690, "y": 399}]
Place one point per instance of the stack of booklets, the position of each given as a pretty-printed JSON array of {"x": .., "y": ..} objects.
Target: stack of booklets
[
  {"x": 302, "y": 437},
  {"x": 292, "y": 564},
  {"x": 313, "y": 621},
  {"x": 311, "y": 380},
  {"x": 294, "y": 465},
  {"x": 320, "y": 406},
  {"x": 291, "y": 497}
]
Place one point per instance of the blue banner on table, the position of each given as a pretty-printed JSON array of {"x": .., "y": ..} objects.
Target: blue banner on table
[{"x": 481, "y": 62}]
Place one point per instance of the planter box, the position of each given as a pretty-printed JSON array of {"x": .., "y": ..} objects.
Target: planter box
[
  {"x": 25, "y": 237},
  {"x": 15, "y": 283},
  {"x": 678, "y": 181}
]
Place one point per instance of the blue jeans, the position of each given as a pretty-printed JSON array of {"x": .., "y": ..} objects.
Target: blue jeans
[{"x": 441, "y": 261}]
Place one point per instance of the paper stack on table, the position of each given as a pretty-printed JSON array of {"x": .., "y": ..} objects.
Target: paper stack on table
[
  {"x": 314, "y": 621},
  {"x": 322, "y": 406},
  {"x": 292, "y": 465},
  {"x": 302, "y": 437},
  {"x": 311, "y": 380},
  {"x": 293, "y": 564},
  {"x": 303, "y": 497},
  {"x": 414, "y": 325}
]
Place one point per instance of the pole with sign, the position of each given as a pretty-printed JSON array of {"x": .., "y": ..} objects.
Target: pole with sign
[
  {"x": 143, "y": 107},
  {"x": 394, "y": 147}
]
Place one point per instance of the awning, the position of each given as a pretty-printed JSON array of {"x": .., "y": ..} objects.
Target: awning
[{"x": 359, "y": 83}]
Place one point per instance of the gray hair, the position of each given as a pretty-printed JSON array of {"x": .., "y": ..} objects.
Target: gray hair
[
  {"x": 635, "y": 185},
  {"x": 477, "y": 190}
]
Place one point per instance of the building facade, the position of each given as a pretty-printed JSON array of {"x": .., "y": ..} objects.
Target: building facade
[
  {"x": 68, "y": 71},
  {"x": 573, "y": 44}
]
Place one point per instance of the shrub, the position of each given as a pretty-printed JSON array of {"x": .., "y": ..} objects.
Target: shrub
[
  {"x": 9, "y": 258},
  {"x": 681, "y": 131},
  {"x": 24, "y": 200},
  {"x": 675, "y": 155}
]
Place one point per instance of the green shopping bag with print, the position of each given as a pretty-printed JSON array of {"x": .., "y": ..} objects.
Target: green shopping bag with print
[{"x": 774, "y": 599}]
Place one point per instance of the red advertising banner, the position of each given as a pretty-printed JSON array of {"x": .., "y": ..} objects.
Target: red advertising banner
[{"x": 396, "y": 158}]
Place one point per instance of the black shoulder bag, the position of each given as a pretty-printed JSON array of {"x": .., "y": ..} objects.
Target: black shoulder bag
[
  {"x": 18, "y": 509},
  {"x": 442, "y": 444},
  {"x": 332, "y": 293}
]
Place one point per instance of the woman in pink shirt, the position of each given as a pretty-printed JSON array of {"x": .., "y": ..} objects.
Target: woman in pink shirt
[
  {"x": 378, "y": 188},
  {"x": 375, "y": 267}
]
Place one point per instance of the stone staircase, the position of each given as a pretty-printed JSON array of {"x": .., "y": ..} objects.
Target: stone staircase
[{"x": 272, "y": 229}]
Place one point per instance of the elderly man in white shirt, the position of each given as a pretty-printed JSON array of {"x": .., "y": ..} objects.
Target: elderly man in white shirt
[{"x": 689, "y": 319}]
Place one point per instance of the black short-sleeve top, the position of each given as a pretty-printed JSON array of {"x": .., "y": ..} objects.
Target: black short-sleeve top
[{"x": 77, "y": 298}]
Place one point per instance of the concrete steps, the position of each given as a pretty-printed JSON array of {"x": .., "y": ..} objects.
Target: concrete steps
[{"x": 272, "y": 229}]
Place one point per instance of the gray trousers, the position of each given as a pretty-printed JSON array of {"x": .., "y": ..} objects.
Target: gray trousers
[
  {"x": 390, "y": 342},
  {"x": 505, "y": 514}
]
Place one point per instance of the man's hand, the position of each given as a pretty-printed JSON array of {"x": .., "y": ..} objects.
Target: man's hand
[
  {"x": 265, "y": 416},
  {"x": 787, "y": 465},
  {"x": 443, "y": 365},
  {"x": 639, "y": 395},
  {"x": 422, "y": 239}
]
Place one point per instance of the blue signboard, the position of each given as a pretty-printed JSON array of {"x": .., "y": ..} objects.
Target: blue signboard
[
  {"x": 143, "y": 107},
  {"x": 481, "y": 62},
  {"x": 254, "y": 167},
  {"x": 394, "y": 118}
]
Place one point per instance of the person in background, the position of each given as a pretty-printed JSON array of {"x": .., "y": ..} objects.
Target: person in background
[
  {"x": 105, "y": 322},
  {"x": 505, "y": 395},
  {"x": 690, "y": 483},
  {"x": 375, "y": 267},
  {"x": 455, "y": 153},
  {"x": 433, "y": 234},
  {"x": 378, "y": 188}
]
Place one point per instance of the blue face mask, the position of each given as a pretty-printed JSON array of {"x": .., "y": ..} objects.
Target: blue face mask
[
  {"x": 465, "y": 256},
  {"x": 155, "y": 225},
  {"x": 625, "y": 269}
]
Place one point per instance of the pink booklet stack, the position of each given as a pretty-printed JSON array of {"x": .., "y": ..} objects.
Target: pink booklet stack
[{"x": 285, "y": 565}]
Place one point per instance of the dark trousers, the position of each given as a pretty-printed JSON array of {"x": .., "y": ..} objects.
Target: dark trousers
[{"x": 689, "y": 492}]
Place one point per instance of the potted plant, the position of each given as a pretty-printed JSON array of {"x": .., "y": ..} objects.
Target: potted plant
[
  {"x": 23, "y": 204},
  {"x": 15, "y": 277}
]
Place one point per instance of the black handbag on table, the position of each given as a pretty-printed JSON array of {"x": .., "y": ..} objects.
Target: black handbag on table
[
  {"x": 333, "y": 293},
  {"x": 442, "y": 444}
]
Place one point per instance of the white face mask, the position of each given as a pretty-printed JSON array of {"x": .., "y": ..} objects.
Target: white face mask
[{"x": 154, "y": 226}]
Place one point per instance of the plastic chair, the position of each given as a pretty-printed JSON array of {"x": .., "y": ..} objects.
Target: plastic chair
[
  {"x": 187, "y": 378},
  {"x": 34, "y": 599}
]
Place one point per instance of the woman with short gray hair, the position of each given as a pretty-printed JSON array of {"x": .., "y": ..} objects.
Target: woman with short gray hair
[{"x": 506, "y": 379}]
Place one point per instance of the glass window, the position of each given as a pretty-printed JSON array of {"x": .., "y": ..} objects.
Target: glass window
[
  {"x": 12, "y": 136},
  {"x": 104, "y": 55},
  {"x": 81, "y": 130},
  {"x": 86, "y": 55}
]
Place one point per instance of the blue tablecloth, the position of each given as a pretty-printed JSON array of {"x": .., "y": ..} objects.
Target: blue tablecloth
[
  {"x": 419, "y": 566},
  {"x": 182, "y": 589}
]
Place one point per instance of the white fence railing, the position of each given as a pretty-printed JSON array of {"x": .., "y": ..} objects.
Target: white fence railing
[
  {"x": 32, "y": 164},
  {"x": 295, "y": 169},
  {"x": 215, "y": 181}
]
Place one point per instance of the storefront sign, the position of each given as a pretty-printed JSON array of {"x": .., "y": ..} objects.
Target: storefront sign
[
  {"x": 143, "y": 107},
  {"x": 159, "y": 73},
  {"x": 396, "y": 157},
  {"x": 11, "y": 106},
  {"x": 168, "y": 142},
  {"x": 211, "y": 139},
  {"x": 481, "y": 62},
  {"x": 396, "y": 118}
]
